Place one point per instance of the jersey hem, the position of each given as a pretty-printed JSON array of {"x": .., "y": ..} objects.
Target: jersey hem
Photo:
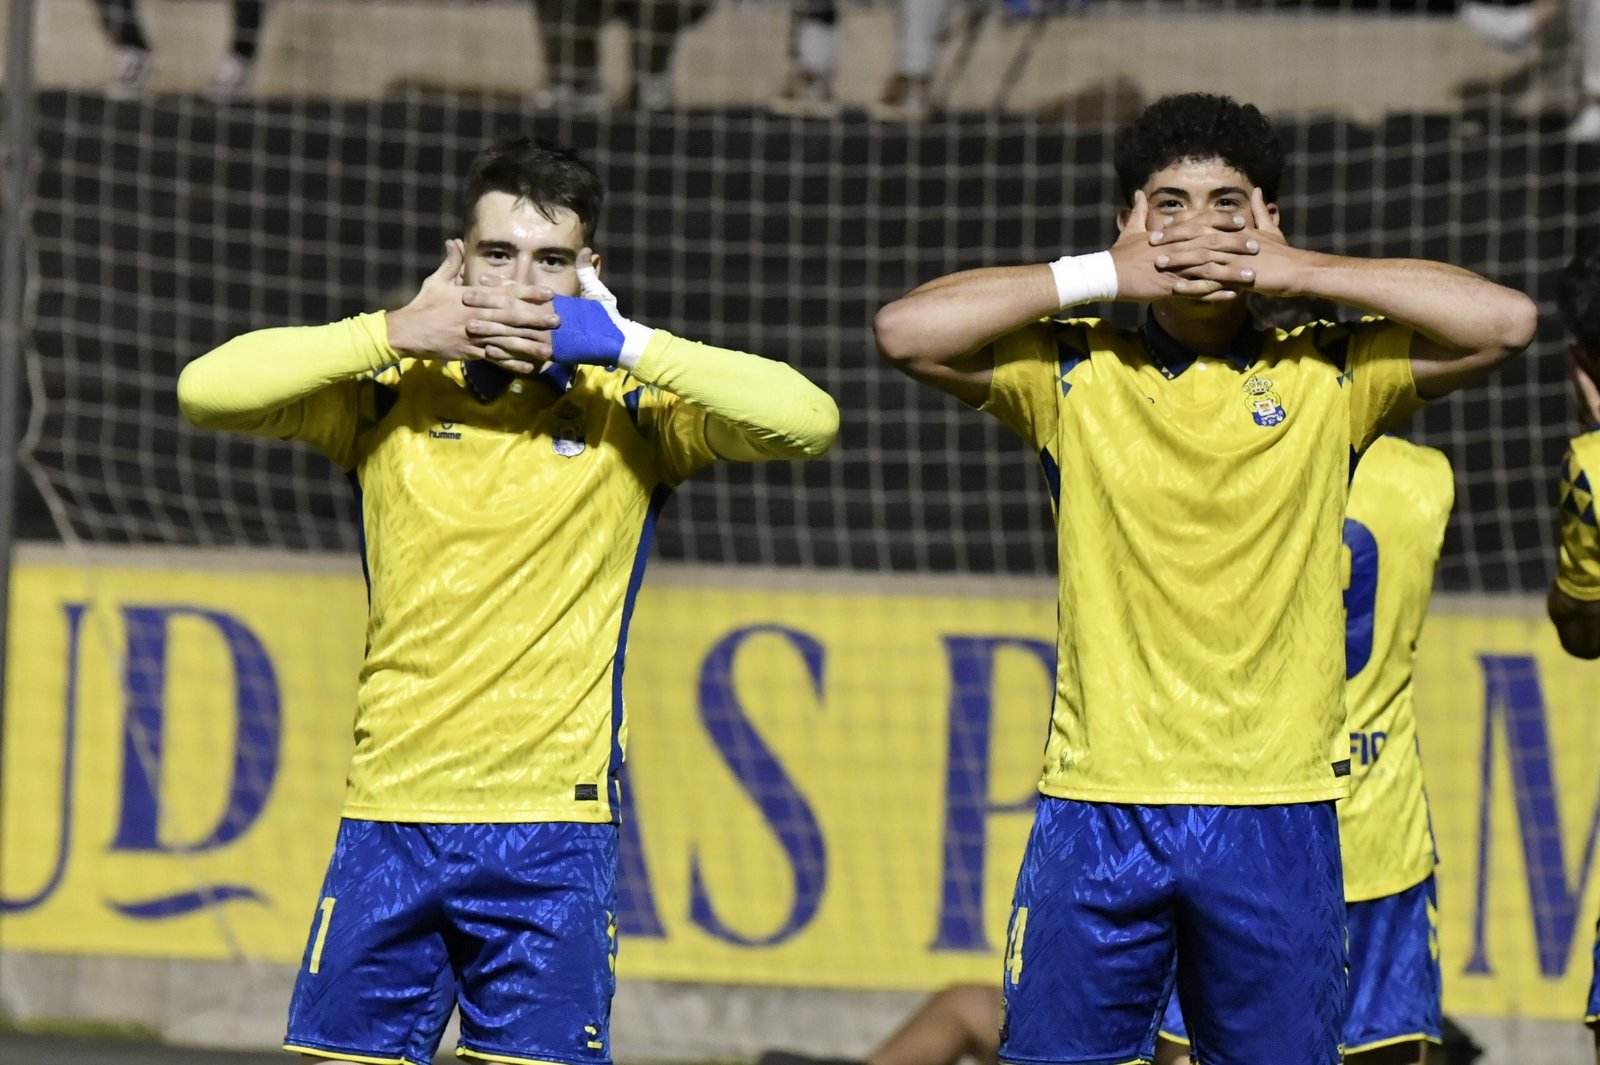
[
  {"x": 1365, "y": 895},
  {"x": 512, "y": 1059},
  {"x": 348, "y": 1055},
  {"x": 1074, "y": 1061},
  {"x": 1270, "y": 797},
  {"x": 536, "y": 815},
  {"x": 1410, "y": 1037}
]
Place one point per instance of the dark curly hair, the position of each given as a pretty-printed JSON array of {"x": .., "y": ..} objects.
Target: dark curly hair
[
  {"x": 531, "y": 169},
  {"x": 1579, "y": 298},
  {"x": 1199, "y": 125}
]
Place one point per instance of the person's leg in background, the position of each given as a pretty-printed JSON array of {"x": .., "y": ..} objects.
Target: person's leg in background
[
  {"x": 131, "y": 64},
  {"x": 1585, "y": 127},
  {"x": 655, "y": 38},
  {"x": 569, "y": 30},
  {"x": 919, "y": 30},
  {"x": 813, "y": 58},
  {"x": 237, "y": 68}
]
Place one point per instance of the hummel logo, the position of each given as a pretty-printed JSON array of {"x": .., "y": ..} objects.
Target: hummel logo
[{"x": 444, "y": 432}]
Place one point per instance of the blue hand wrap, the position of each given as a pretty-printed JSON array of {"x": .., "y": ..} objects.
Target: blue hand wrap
[{"x": 587, "y": 335}]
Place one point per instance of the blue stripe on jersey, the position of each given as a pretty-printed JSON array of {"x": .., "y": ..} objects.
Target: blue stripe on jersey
[
  {"x": 361, "y": 531},
  {"x": 630, "y": 403},
  {"x": 1052, "y": 475},
  {"x": 658, "y": 500}
]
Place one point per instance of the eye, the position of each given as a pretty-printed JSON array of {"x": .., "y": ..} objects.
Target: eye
[
  {"x": 554, "y": 262},
  {"x": 497, "y": 256},
  {"x": 1169, "y": 204},
  {"x": 1230, "y": 203}
]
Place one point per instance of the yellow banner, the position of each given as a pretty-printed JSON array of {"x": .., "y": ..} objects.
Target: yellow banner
[{"x": 825, "y": 788}]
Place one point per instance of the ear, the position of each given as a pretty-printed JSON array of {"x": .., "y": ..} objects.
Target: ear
[
  {"x": 594, "y": 260},
  {"x": 1122, "y": 218},
  {"x": 1277, "y": 218}
]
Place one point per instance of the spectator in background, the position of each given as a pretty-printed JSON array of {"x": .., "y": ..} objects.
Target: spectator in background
[
  {"x": 132, "y": 58},
  {"x": 570, "y": 32},
  {"x": 920, "y": 26},
  {"x": 1549, "y": 24}
]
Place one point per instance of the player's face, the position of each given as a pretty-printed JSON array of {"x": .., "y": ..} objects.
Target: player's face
[
  {"x": 512, "y": 240},
  {"x": 1196, "y": 190}
]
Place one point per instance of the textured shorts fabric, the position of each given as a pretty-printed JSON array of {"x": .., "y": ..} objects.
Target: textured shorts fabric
[
  {"x": 1396, "y": 986},
  {"x": 1117, "y": 905},
  {"x": 513, "y": 923}
]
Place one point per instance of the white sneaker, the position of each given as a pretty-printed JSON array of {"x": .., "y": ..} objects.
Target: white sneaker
[
  {"x": 805, "y": 93},
  {"x": 1510, "y": 29},
  {"x": 905, "y": 99},
  {"x": 131, "y": 69},
  {"x": 1585, "y": 128},
  {"x": 231, "y": 82},
  {"x": 572, "y": 99},
  {"x": 654, "y": 92}
]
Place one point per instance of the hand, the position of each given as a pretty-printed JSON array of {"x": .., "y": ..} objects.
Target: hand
[
  {"x": 1140, "y": 278},
  {"x": 1249, "y": 253},
  {"x": 441, "y": 322},
  {"x": 513, "y": 324},
  {"x": 593, "y": 330}
]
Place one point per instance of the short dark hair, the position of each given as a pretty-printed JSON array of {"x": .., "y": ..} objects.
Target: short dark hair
[
  {"x": 1579, "y": 298},
  {"x": 545, "y": 175},
  {"x": 1197, "y": 125}
]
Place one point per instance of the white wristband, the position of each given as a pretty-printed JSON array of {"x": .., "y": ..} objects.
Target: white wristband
[{"x": 1085, "y": 278}]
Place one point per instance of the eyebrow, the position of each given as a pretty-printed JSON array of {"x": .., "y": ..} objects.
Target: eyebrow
[{"x": 1225, "y": 190}]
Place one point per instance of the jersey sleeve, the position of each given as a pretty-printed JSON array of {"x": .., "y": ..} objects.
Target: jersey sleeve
[
  {"x": 334, "y": 418},
  {"x": 1022, "y": 388},
  {"x": 676, "y": 429},
  {"x": 1374, "y": 361},
  {"x": 1578, "y": 574}
]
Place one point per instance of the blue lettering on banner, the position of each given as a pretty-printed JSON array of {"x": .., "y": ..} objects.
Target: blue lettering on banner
[
  {"x": 1512, "y": 698},
  {"x": 967, "y": 800},
  {"x": 763, "y": 778},
  {"x": 75, "y": 612},
  {"x": 256, "y": 749},
  {"x": 636, "y": 902}
]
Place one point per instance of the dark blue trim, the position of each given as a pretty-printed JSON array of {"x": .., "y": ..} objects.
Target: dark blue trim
[
  {"x": 631, "y": 403},
  {"x": 488, "y": 381},
  {"x": 383, "y": 400},
  {"x": 1172, "y": 358},
  {"x": 361, "y": 530},
  {"x": 1052, "y": 475},
  {"x": 1336, "y": 350},
  {"x": 658, "y": 500}
]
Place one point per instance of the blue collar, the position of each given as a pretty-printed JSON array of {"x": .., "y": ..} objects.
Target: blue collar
[
  {"x": 1172, "y": 358},
  {"x": 487, "y": 381}
]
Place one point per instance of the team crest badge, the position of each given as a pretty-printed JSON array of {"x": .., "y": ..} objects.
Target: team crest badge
[
  {"x": 568, "y": 442},
  {"x": 1265, "y": 406}
]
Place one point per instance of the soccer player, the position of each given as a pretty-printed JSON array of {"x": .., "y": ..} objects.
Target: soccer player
[
  {"x": 1574, "y": 600},
  {"x": 511, "y": 448},
  {"x": 1199, "y": 468},
  {"x": 1394, "y": 525}
]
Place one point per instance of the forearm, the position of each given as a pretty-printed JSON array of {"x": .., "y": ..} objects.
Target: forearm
[
  {"x": 1454, "y": 308},
  {"x": 949, "y": 319},
  {"x": 252, "y": 383},
  {"x": 761, "y": 409}
]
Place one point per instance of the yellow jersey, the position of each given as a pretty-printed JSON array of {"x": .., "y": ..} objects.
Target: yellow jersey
[
  {"x": 1400, "y": 503},
  {"x": 504, "y": 537},
  {"x": 1578, "y": 574},
  {"x": 1199, "y": 504}
]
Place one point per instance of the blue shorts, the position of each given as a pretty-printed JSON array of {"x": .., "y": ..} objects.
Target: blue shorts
[
  {"x": 1240, "y": 907},
  {"x": 1395, "y": 982},
  {"x": 512, "y": 922}
]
